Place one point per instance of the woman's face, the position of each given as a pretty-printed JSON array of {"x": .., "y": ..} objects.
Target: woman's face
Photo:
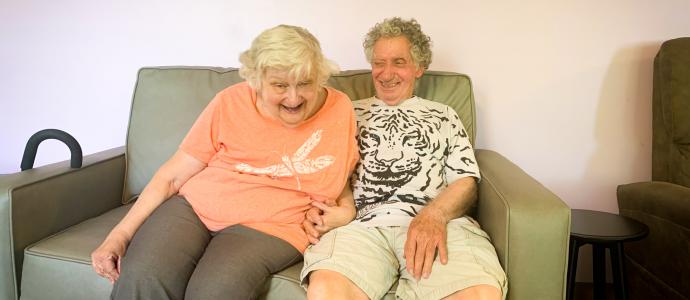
[{"x": 289, "y": 100}]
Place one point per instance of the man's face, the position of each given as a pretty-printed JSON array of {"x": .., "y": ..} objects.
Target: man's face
[{"x": 393, "y": 70}]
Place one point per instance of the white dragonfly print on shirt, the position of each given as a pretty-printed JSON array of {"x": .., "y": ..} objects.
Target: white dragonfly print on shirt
[{"x": 295, "y": 165}]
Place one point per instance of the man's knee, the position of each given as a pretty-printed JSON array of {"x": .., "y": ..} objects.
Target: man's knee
[
  {"x": 324, "y": 282},
  {"x": 482, "y": 292},
  {"x": 327, "y": 284}
]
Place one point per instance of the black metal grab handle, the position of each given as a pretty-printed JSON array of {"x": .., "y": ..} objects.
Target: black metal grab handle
[{"x": 38, "y": 137}]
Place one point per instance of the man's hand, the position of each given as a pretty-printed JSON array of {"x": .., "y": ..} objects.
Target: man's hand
[{"x": 426, "y": 234}]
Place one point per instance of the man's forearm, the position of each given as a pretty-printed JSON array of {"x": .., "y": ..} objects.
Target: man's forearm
[
  {"x": 346, "y": 198},
  {"x": 455, "y": 200}
]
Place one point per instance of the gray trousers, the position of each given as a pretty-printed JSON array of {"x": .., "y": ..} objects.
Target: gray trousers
[{"x": 174, "y": 256}]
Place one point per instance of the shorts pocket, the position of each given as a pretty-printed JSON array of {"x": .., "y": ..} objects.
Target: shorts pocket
[
  {"x": 322, "y": 250},
  {"x": 470, "y": 227}
]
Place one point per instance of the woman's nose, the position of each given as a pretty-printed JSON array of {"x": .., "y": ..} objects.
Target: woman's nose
[{"x": 292, "y": 95}]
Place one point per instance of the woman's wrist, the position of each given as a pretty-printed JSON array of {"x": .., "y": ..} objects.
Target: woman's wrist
[{"x": 118, "y": 236}]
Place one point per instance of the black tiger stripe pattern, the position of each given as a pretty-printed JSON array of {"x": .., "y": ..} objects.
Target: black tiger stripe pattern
[{"x": 407, "y": 154}]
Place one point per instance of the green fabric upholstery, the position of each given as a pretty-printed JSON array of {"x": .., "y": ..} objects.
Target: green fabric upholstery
[
  {"x": 671, "y": 113},
  {"x": 656, "y": 265},
  {"x": 47, "y": 255},
  {"x": 42, "y": 201},
  {"x": 527, "y": 224}
]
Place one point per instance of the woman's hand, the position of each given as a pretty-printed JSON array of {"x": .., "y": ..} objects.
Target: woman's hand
[
  {"x": 312, "y": 218},
  {"x": 106, "y": 259}
]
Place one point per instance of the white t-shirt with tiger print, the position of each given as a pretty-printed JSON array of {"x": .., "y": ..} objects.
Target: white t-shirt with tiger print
[{"x": 408, "y": 154}]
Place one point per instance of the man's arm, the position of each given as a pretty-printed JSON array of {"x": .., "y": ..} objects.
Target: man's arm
[
  {"x": 428, "y": 229},
  {"x": 321, "y": 218}
]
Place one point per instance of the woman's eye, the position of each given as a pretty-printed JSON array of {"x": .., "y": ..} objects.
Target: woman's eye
[{"x": 279, "y": 86}]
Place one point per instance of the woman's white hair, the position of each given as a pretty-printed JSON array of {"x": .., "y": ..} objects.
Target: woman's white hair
[{"x": 286, "y": 48}]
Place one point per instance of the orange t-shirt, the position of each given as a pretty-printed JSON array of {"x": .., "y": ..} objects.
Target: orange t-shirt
[{"x": 261, "y": 174}]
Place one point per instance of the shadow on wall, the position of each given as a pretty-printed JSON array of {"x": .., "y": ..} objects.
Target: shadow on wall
[
  {"x": 623, "y": 129},
  {"x": 623, "y": 133}
]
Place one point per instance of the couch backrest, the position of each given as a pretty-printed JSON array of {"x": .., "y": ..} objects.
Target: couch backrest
[
  {"x": 671, "y": 113},
  {"x": 167, "y": 101}
]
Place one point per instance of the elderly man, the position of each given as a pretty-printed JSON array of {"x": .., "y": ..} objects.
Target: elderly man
[{"x": 416, "y": 179}]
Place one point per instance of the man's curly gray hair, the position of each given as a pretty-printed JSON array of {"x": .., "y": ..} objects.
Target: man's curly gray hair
[{"x": 420, "y": 43}]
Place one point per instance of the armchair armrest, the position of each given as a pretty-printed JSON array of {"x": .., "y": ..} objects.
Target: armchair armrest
[
  {"x": 42, "y": 201},
  {"x": 529, "y": 227},
  {"x": 665, "y": 208},
  {"x": 662, "y": 199}
]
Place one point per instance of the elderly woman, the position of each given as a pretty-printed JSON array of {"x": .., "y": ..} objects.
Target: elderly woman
[{"x": 226, "y": 210}]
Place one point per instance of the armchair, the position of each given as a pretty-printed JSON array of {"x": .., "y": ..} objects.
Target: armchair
[
  {"x": 54, "y": 216},
  {"x": 656, "y": 266}
]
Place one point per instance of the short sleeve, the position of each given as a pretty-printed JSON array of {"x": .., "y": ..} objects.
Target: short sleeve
[
  {"x": 201, "y": 141},
  {"x": 461, "y": 161},
  {"x": 353, "y": 146}
]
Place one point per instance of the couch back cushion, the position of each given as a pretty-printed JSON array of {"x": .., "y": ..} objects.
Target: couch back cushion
[
  {"x": 167, "y": 101},
  {"x": 671, "y": 113}
]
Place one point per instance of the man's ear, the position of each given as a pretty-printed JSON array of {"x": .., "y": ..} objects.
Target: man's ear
[{"x": 419, "y": 72}]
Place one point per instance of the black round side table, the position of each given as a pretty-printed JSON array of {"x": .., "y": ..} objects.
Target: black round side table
[{"x": 602, "y": 230}]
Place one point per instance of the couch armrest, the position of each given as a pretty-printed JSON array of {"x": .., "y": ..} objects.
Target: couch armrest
[
  {"x": 529, "y": 226},
  {"x": 42, "y": 201},
  {"x": 665, "y": 208}
]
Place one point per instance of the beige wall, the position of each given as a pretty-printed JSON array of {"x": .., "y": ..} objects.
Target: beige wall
[{"x": 562, "y": 87}]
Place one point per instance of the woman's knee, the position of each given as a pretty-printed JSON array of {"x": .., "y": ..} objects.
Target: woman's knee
[
  {"x": 230, "y": 283},
  {"x": 148, "y": 282}
]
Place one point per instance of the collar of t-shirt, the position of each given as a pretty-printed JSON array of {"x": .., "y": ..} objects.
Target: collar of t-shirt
[{"x": 405, "y": 103}]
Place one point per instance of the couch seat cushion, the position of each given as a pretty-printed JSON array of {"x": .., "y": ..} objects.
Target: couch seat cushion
[{"x": 61, "y": 265}]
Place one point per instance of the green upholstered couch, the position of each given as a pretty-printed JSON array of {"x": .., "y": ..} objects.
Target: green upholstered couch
[
  {"x": 52, "y": 217},
  {"x": 658, "y": 266}
]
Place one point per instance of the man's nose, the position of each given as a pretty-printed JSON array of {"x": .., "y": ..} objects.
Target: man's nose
[{"x": 387, "y": 72}]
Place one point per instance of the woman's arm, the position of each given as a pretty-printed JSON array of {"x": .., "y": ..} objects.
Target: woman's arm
[{"x": 164, "y": 184}]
